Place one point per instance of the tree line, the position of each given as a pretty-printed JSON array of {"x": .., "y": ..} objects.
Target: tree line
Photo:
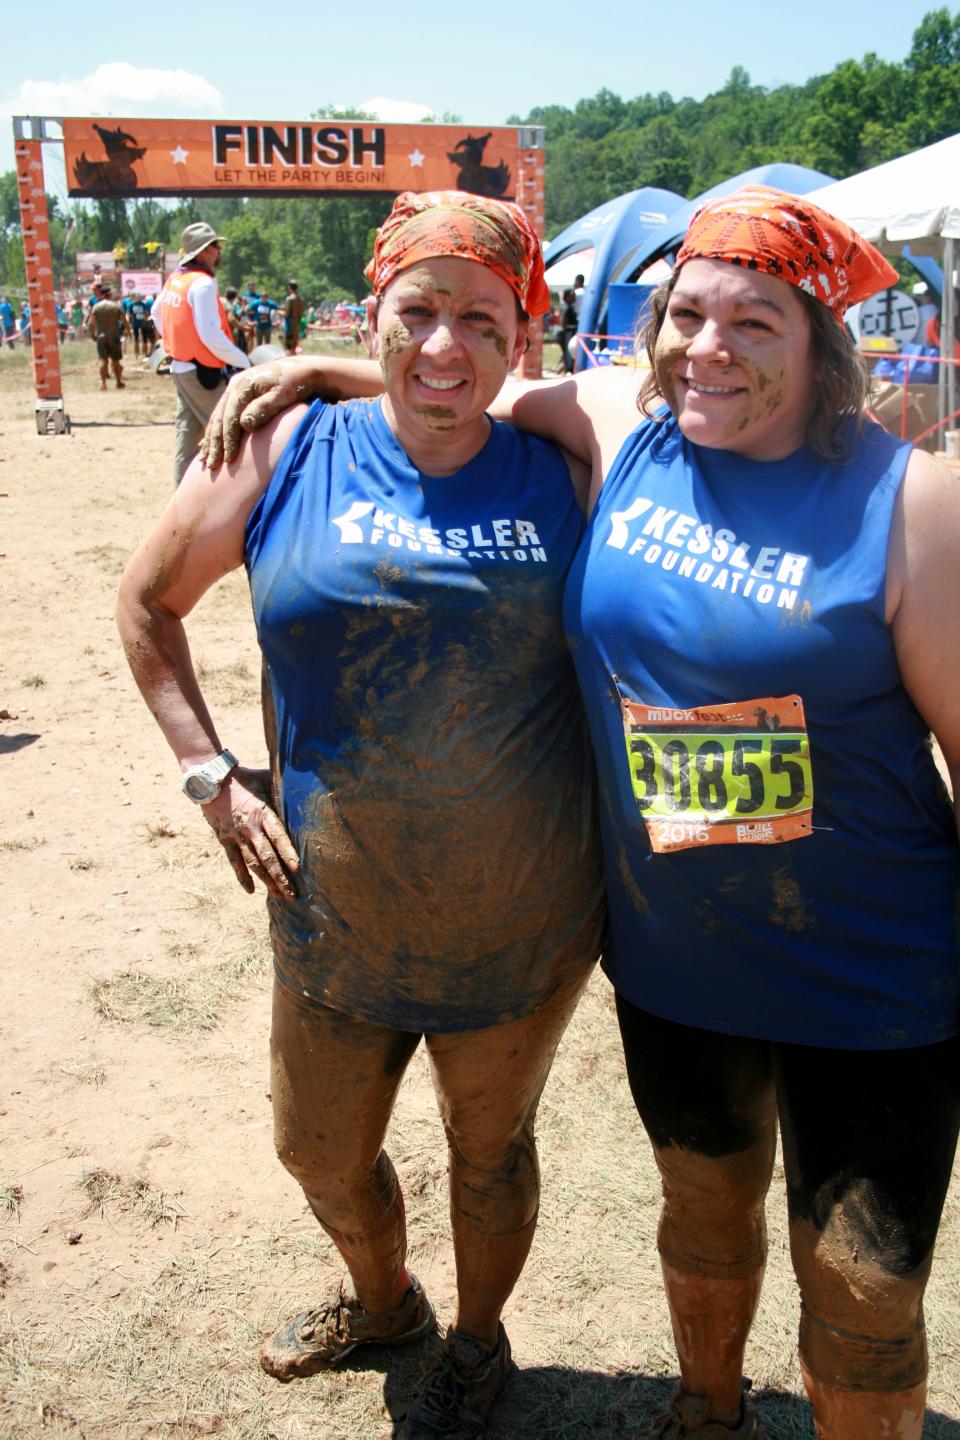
[{"x": 861, "y": 113}]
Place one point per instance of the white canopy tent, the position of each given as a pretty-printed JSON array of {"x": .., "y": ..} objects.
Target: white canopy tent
[
  {"x": 914, "y": 199},
  {"x": 562, "y": 273}
]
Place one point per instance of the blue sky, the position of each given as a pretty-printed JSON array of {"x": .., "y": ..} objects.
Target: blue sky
[{"x": 483, "y": 63}]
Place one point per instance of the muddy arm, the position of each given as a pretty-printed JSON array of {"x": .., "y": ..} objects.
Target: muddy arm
[
  {"x": 257, "y": 395},
  {"x": 198, "y": 539}
]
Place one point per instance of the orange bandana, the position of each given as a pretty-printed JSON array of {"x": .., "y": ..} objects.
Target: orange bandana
[
  {"x": 787, "y": 237},
  {"x": 494, "y": 233}
]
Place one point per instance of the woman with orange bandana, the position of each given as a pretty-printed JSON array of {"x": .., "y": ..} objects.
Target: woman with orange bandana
[
  {"x": 765, "y": 619},
  {"x": 426, "y": 833}
]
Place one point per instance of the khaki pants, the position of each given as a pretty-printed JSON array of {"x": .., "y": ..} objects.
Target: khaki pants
[{"x": 195, "y": 405}]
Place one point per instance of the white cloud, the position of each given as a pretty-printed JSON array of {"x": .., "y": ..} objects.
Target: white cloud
[
  {"x": 404, "y": 112},
  {"x": 116, "y": 89},
  {"x": 113, "y": 89}
]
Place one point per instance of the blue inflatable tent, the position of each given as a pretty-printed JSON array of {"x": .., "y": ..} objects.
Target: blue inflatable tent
[
  {"x": 613, "y": 229},
  {"x": 662, "y": 241}
]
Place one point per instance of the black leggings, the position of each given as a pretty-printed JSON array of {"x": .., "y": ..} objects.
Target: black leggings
[
  {"x": 868, "y": 1146},
  {"x": 887, "y": 1117}
]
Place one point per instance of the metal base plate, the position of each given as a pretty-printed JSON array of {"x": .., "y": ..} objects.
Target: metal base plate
[{"x": 52, "y": 419}]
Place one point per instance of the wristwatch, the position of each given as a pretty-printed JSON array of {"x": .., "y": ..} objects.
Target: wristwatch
[{"x": 203, "y": 783}]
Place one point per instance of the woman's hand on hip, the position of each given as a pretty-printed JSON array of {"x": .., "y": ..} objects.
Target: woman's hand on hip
[{"x": 252, "y": 834}]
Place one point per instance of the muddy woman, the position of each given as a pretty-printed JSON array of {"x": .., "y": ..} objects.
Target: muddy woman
[
  {"x": 429, "y": 845},
  {"x": 765, "y": 619}
]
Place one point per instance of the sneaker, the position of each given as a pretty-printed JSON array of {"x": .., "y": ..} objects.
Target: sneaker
[
  {"x": 688, "y": 1416},
  {"x": 460, "y": 1390},
  {"x": 319, "y": 1339}
]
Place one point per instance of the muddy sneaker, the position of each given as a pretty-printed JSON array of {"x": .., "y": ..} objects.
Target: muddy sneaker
[
  {"x": 688, "y": 1416},
  {"x": 319, "y": 1339},
  {"x": 460, "y": 1390}
]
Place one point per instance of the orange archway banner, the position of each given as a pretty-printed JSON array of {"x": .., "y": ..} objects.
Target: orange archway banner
[{"x": 243, "y": 157}]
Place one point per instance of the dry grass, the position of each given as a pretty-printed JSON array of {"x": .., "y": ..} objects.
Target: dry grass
[
  {"x": 108, "y": 559},
  {"x": 106, "y": 1192},
  {"x": 181, "y": 1004},
  {"x": 85, "y": 1072},
  {"x": 11, "y": 1198}
]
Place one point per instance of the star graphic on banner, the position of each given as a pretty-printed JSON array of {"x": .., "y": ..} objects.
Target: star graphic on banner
[
  {"x": 417, "y": 157},
  {"x": 179, "y": 155}
]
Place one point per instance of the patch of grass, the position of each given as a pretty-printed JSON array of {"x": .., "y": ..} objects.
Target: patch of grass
[
  {"x": 33, "y": 682},
  {"x": 11, "y": 1198},
  {"x": 106, "y": 1190},
  {"x": 23, "y": 842},
  {"x": 85, "y": 1072},
  {"x": 180, "y": 1004},
  {"x": 101, "y": 1187},
  {"x": 110, "y": 559},
  {"x": 84, "y": 862}
]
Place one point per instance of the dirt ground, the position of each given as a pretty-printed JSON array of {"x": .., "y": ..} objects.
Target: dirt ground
[{"x": 148, "y": 1236}]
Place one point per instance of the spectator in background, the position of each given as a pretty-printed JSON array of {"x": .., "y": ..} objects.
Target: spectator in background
[
  {"x": 235, "y": 319},
  {"x": 568, "y": 329},
  {"x": 136, "y": 314},
  {"x": 149, "y": 330},
  {"x": 192, "y": 323},
  {"x": 579, "y": 285},
  {"x": 8, "y": 323},
  {"x": 24, "y": 323},
  {"x": 108, "y": 325},
  {"x": 61, "y": 315},
  {"x": 293, "y": 308},
  {"x": 76, "y": 318},
  {"x": 264, "y": 310}
]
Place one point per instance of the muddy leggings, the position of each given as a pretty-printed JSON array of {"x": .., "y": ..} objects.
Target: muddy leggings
[
  {"x": 868, "y": 1144},
  {"x": 334, "y": 1082}
]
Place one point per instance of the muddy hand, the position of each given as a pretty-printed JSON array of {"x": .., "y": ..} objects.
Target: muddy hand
[
  {"x": 253, "y": 397},
  {"x": 252, "y": 834}
]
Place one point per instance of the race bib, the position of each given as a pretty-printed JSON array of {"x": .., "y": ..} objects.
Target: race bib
[{"x": 721, "y": 775}]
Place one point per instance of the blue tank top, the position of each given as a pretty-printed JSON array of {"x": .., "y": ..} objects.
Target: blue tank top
[
  {"x": 429, "y": 746},
  {"x": 714, "y": 591}
]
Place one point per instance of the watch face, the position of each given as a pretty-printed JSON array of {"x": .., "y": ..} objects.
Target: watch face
[{"x": 199, "y": 788}]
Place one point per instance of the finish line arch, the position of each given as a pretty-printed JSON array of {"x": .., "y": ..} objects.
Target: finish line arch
[{"x": 107, "y": 158}]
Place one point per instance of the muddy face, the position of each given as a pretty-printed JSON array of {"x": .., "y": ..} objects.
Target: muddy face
[
  {"x": 447, "y": 335},
  {"x": 734, "y": 360}
]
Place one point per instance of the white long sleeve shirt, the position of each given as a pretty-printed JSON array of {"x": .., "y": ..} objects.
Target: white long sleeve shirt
[{"x": 202, "y": 299}]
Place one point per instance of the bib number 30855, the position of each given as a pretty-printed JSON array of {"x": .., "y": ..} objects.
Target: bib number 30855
[{"x": 734, "y": 774}]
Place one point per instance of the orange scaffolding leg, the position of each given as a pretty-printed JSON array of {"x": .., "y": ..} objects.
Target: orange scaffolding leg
[
  {"x": 530, "y": 181},
  {"x": 51, "y": 419}
]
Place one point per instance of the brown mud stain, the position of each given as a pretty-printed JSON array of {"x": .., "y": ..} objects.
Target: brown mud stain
[
  {"x": 498, "y": 338},
  {"x": 637, "y": 898},
  {"x": 788, "y": 909}
]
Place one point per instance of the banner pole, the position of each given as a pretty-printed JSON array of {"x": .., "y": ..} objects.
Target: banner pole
[
  {"x": 530, "y": 197},
  {"x": 38, "y": 263}
]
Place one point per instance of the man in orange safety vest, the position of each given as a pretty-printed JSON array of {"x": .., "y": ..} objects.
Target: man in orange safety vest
[{"x": 192, "y": 323}]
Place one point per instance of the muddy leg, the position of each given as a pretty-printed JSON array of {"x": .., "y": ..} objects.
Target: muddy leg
[
  {"x": 488, "y": 1085},
  {"x": 868, "y": 1144},
  {"x": 334, "y": 1082},
  {"x": 709, "y": 1107}
]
